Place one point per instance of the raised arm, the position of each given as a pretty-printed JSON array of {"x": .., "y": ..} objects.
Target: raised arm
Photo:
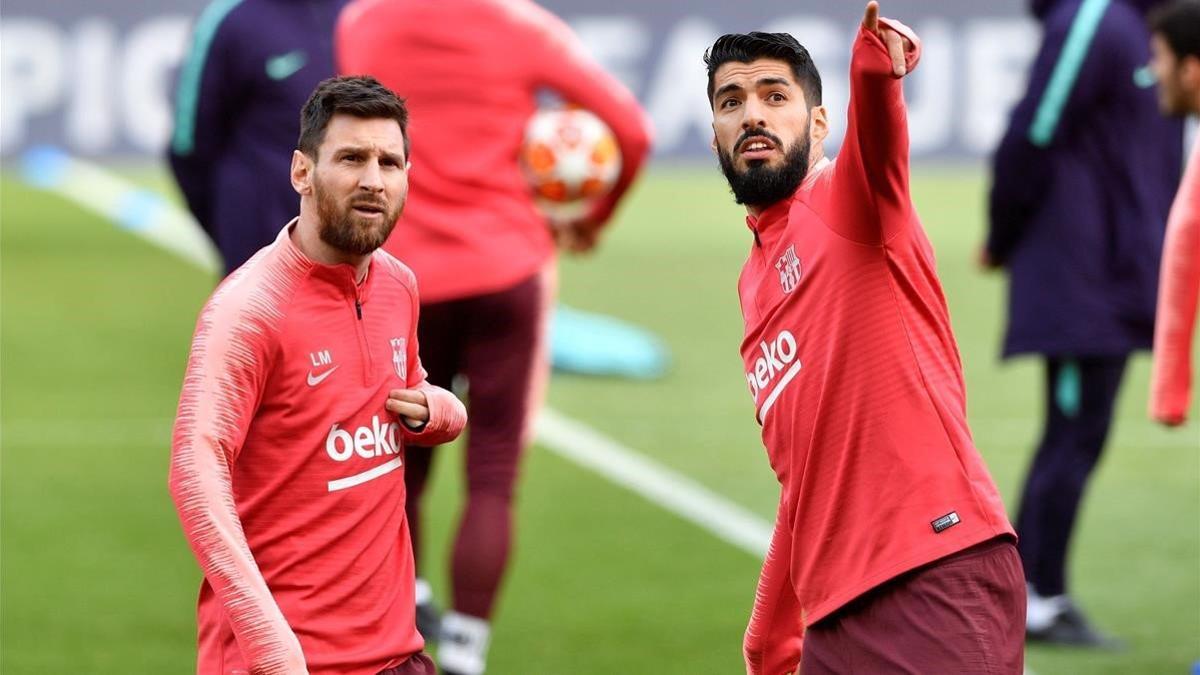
[
  {"x": 872, "y": 165},
  {"x": 221, "y": 390}
]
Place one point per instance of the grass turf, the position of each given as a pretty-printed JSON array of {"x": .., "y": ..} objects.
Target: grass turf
[{"x": 97, "y": 578}]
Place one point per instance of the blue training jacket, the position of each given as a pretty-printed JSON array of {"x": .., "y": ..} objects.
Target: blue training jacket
[
  {"x": 1082, "y": 183},
  {"x": 252, "y": 66}
]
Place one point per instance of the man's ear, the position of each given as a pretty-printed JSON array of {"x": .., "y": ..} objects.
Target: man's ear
[
  {"x": 818, "y": 127},
  {"x": 1190, "y": 72},
  {"x": 713, "y": 145},
  {"x": 302, "y": 172}
]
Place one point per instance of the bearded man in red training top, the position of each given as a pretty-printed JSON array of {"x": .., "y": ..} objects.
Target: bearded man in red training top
[
  {"x": 891, "y": 550},
  {"x": 303, "y": 391}
]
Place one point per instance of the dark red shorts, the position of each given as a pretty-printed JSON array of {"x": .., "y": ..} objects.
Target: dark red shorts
[
  {"x": 963, "y": 614},
  {"x": 417, "y": 664}
]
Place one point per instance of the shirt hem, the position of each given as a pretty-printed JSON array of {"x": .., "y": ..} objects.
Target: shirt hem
[{"x": 838, "y": 601}]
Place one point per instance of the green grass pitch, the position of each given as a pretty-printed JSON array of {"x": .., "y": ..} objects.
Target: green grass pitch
[{"x": 96, "y": 577}]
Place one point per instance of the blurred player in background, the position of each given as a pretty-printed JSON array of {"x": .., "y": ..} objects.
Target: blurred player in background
[
  {"x": 891, "y": 551},
  {"x": 252, "y": 65},
  {"x": 483, "y": 254},
  {"x": 1176, "y": 48},
  {"x": 303, "y": 388},
  {"x": 1083, "y": 180}
]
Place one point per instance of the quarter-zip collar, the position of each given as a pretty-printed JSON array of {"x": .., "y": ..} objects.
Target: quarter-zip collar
[
  {"x": 770, "y": 219},
  {"x": 340, "y": 277}
]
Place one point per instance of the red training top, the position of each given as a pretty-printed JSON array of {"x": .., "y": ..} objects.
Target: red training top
[
  {"x": 287, "y": 470},
  {"x": 1178, "y": 296},
  {"x": 470, "y": 71},
  {"x": 856, "y": 379}
]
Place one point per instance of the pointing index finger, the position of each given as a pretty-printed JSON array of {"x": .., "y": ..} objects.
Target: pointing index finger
[
  {"x": 895, "y": 45},
  {"x": 871, "y": 17}
]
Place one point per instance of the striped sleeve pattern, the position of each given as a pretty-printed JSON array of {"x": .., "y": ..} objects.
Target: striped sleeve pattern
[{"x": 229, "y": 363}]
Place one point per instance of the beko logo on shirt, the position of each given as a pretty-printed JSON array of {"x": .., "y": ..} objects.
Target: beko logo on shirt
[
  {"x": 377, "y": 440},
  {"x": 366, "y": 442},
  {"x": 778, "y": 359}
]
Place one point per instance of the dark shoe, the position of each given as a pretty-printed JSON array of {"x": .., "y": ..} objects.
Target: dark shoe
[
  {"x": 1071, "y": 628},
  {"x": 429, "y": 622}
]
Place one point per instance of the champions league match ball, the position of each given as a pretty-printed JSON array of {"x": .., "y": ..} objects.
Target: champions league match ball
[{"x": 570, "y": 158}]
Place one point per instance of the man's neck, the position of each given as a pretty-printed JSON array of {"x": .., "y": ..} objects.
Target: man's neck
[{"x": 306, "y": 236}]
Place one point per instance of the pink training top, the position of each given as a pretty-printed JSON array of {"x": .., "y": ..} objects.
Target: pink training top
[
  {"x": 856, "y": 379},
  {"x": 287, "y": 470},
  {"x": 1179, "y": 289},
  {"x": 470, "y": 71}
]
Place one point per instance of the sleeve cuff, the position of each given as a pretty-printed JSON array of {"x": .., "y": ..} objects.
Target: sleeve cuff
[
  {"x": 447, "y": 417},
  {"x": 913, "y": 54}
]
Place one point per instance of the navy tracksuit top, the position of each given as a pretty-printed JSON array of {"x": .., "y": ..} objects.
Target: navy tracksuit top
[
  {"x": 251, "y": 66},
  {"x": 1083, "y": 180}
]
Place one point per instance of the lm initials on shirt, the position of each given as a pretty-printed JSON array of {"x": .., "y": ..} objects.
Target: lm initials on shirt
[
  {"x": 321, "y": 360},
  {"x": 778, "y": 355}
]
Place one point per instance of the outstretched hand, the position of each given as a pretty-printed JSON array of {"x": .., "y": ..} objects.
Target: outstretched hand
[{"x": 897, "y": 44}]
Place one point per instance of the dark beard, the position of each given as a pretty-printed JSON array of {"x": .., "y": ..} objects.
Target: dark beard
[
  {"x": 348, "y": 232},
  {"x": 760, "y": 185}
]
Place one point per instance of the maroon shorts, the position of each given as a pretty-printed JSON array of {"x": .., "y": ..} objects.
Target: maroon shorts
[
  {"x": 417, "y": 664},
  {"x": 962, "y": 614}
]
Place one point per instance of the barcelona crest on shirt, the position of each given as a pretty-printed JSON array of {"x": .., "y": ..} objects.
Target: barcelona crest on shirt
[
  {"x": 789, "y": 269},
  {"x": 400, "y": 358}
]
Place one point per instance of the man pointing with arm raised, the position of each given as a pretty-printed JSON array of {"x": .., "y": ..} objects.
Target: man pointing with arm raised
[{"x": 891, "y": 550}]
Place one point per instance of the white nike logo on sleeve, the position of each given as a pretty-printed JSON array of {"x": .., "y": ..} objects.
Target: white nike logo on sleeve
[{"x": 314, "y": 380}]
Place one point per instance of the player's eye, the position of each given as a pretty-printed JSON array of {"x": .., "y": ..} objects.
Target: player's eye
[
  {"x": 777, "y": 97},
  {"x": 729, "y": 103},
  {"x": 351, "y": 157}
]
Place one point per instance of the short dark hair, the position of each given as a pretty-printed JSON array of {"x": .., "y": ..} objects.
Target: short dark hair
[
  {"x": 747, "y": 47},
  {"x": 1179, "y": 24},
  {"x": 361, "y": 96}
]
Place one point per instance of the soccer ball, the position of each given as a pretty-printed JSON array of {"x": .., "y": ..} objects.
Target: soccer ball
[{"x": 570, "y": 159}]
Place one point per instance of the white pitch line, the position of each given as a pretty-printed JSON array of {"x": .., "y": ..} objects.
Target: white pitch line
[
  {"x": 560, "y": 434},
  {"x": 672, "y": 491}
]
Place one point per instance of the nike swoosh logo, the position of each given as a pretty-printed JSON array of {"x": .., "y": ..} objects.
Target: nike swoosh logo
[
  {"x": 1144, "y": 77},
  {"x": 285, "y": 65},
  {"x": 314, "y": 380}
]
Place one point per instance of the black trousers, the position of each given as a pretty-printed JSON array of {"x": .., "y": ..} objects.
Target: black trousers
[{"x": 1080, "y": 393}]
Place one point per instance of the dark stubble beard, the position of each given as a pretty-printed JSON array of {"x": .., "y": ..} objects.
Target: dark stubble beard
[
  {"x": 760, "y": 185},
  {"x": 345, "y": 230}
]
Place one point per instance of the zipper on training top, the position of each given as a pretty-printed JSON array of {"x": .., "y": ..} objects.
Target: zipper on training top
[{"x": 368, "y": 364}]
